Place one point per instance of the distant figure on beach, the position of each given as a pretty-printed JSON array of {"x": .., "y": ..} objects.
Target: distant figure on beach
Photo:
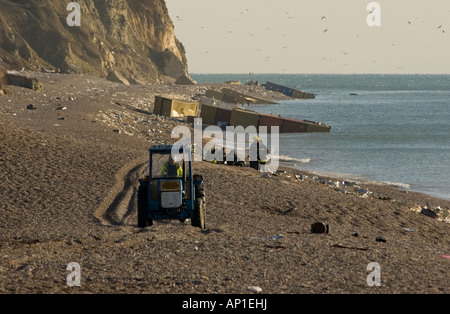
[{"x": 261, "y": 154}]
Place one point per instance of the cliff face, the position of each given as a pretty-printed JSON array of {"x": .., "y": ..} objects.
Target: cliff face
[{"x": 134, "y": 38}]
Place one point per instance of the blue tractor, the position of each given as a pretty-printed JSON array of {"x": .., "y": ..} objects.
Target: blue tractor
[{"x": 171, "y": 191}]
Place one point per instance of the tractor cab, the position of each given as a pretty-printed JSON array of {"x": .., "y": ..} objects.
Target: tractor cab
[{"x": 171, "y": 191}]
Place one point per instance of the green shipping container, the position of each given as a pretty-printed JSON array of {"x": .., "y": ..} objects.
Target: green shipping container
[
  {"x": 223, "y": 116},
  {"x": 208, "y": 114},
  {"x": 166, "y": 108},
  {"x": 158, "y": 104}
]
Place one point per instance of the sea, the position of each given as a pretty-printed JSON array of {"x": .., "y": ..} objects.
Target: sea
[{"x": 390, "y": 129}]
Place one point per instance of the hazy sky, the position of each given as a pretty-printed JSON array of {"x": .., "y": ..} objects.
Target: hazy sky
[{"x": 313, "y": 36}]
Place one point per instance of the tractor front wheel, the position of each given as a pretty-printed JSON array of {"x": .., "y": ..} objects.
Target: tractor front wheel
[{"x": 143, "y": 220}]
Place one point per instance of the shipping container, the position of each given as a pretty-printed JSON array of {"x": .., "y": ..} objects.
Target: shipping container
[
  {"x": 174, "y": 108},
  {"x": 214, "y": 94},
  {"x": 166, "y": 107},
  {"x": 181, "y": 109},
  {"x": 292, "y": 126},
  {"x": 312, "y": 126},
  {"x": 208, "y": 114},
  {"x": 223, "y": 116},
  {"x": 244, "y": 118},
  {"x": 291, "y": 92},
  {"x": 158, "y": 104},
  {"x": 302, "y": 95},
  {"x": 269, "y": 121}
]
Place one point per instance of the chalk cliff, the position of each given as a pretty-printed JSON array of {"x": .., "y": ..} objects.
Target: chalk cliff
[{"x": 134, "y": 39}]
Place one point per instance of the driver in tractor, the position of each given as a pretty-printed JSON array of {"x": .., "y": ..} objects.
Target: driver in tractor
[{"x": 172, "y": 168}]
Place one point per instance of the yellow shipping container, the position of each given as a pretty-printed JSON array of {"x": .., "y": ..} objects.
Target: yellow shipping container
[
  {"x": 175, "y": 108},
  {"x": 183, "y": 109}
]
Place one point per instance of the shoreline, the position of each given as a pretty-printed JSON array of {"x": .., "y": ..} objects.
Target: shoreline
[
  {"x": 404, "y": 187},
  {"x": 415, "y": 200}
]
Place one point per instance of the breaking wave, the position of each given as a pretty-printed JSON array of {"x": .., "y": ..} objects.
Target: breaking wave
[{"x": 285, "y": 158}]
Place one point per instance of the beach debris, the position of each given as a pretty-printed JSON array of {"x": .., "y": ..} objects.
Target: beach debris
[
  {"x": 333, "y": 183},
  {"x": 31, "y": 107},
  {"x": 438, "y": 213},
  {"x": 319, "y": 227},
  {"x": 61, "y": 108},
  {"x": 429, "y": 212},
  {"x": 254, "y": 289},
  {"x": 355, "y": 234},
  {"x": 275, "y": 237},
  {"x": 339, "y": 245},
  {"x": 363, "y": 193},
  {"x": 13, "y": 78},
  {"x": 288, "y": 210},
  {"x": 380, "y": 239},
  {"x": 275, "y": 247},
  {"x": 267, "y": 175},
  {"x": 445, "y": 256},
  {"x": 409, "y": 229},
  {"x": 300, "y": 177}
]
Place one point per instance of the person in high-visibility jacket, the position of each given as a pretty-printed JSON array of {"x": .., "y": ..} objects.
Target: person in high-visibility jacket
[
  {"x": 172, "y": 168},
  {"x": 261, "y": 153}
]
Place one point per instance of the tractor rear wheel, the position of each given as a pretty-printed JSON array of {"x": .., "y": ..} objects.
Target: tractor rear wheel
[
  {"x": 143, "y": 220},
  {"x": 199, "y": 218},
  {"x": 199, "y": 191}
]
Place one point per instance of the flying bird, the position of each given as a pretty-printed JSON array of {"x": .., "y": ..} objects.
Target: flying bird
[
  {"x": 439, "y": 26},
  {"x": 325, "y": 30},
  {"x": 323, "y": 17}
]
